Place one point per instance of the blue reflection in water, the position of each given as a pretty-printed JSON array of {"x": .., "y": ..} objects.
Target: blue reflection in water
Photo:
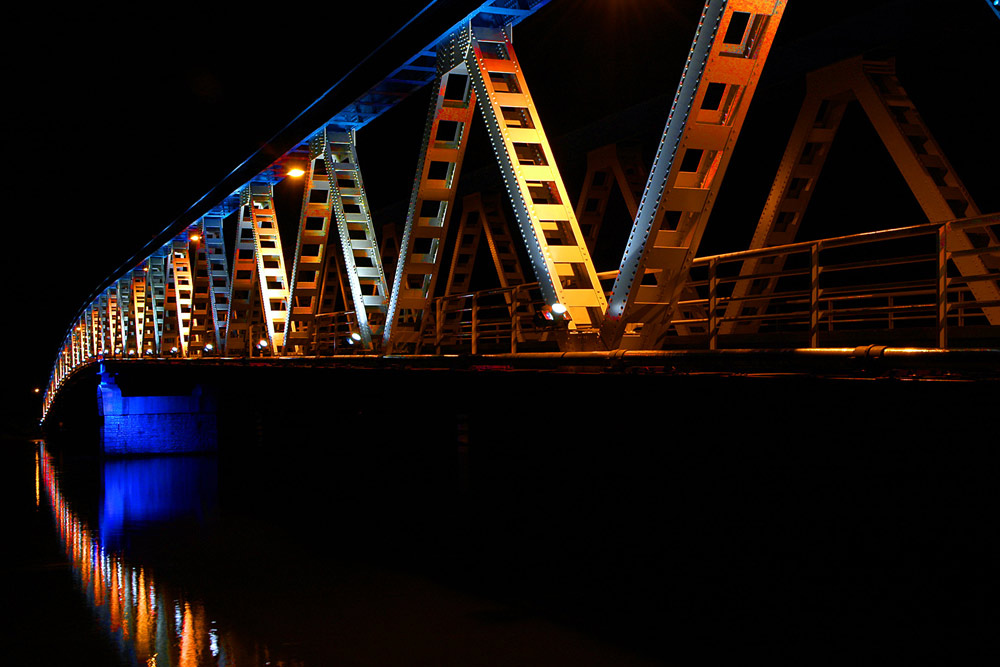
[{"x": 140, "y": 492}]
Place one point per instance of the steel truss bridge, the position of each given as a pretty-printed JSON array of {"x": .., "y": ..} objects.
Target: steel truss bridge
[{"x": 349, "y": 295}]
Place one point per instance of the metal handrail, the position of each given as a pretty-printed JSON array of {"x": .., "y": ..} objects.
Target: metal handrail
[{"x": 809, "y": 306}]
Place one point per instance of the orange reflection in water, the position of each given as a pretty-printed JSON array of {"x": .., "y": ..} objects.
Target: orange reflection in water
[{"x": 154, "y": 628}]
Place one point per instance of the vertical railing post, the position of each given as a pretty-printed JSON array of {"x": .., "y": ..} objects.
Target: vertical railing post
[
  {"x": 514, "y": 322},
  {"x": 942, "y": 287},
  {"x": 713, "y": 324},
  {"x": 438, "y": 324},
  {"x": 814, "y": 295},
  {"x": 475, "y": 321}
]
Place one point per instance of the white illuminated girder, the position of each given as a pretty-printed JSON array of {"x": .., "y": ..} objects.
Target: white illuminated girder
[
  {"x": 113, "y": 327},
  {"x": 729, "y": 51},
  {"x": 74, "y": 345},
  {"x": 94, "y": 318},
  {"x": 64, "y": 353},
  {"x": 123, "y": 292},
  {"x": 182, "y": 287},
  {"x": 431, "y": 202},
  {"x": 314, "y": 256},
  {"x": 218, "y": 275},
  {"x": 156, "y": 296},
  {"x": 271, "y": 275},
  {"x": 557, "y": 248},
  {"x": 84, "y": 336},
  {"x": 362, "y": 261},
  {"x": 139, "y": 305}
]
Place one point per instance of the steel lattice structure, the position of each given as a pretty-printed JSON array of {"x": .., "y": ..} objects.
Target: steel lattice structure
[{"x": 184, "y": 299}]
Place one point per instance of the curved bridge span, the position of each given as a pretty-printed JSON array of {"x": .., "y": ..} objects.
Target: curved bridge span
[{"x": 230, "y": 283}]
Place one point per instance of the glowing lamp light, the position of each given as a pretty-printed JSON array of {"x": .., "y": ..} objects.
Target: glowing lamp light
[
  {"x": 131, "y": 353},
  {"x": 295, "y": 172},
  {"x": 209, "y": 347},
  {"x": 195, "y": 238},
  {"x": 558, "y": 308},
  {"x": 262, "y": 342},
  {"x": 37, "y": 390},
  {"x": 174, "y": 349},
  {"x": 355, "y": 336}
]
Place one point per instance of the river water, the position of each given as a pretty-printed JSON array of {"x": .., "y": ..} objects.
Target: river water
[{"x": 861, "y": 522}]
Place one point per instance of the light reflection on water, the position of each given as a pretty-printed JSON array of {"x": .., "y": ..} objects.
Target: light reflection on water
[
  {"x": 151, "y": 624},
  {"x": 139, "y": 493}
]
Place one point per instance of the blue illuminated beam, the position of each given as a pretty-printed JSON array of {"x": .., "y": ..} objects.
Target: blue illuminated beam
[{"x": 408, "y": 70}]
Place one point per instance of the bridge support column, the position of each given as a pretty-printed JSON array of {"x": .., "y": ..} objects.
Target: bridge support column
[{"x": 132, "y": 423}]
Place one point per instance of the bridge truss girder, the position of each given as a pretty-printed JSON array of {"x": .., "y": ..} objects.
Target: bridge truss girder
[
  {"x": 312, "y": 255},
  {"x": 556, "y": 247},
  {"x": 361, "y": 259},
  {"x": 156, "y": 295},
  {"x": 271, "y": 277},
  {"x": 123, "y": 293},
  {"x": 432, "y": 200},
  {"x": 729, "y": 51},
  {"x": 920, "y": 160},
  {"x": 607, "y": 166},
  {"x": 216, "y": 267}
]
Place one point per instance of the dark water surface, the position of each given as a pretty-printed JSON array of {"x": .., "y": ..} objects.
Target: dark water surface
[{"x": 792, "y": 520}]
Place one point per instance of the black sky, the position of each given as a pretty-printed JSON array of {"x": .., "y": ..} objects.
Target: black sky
[{"x": 117, "y": 123}]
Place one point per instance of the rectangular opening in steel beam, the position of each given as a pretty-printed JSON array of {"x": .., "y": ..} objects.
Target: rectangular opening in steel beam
[{"x": 456, "y": 87}]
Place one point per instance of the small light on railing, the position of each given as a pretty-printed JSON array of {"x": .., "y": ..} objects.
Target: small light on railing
[
  {"x": 355, "y": 336},
  {"x": 149, "y": 351},
  {"x": 173, "y": 350},
  {"x": 295, "y": 172},
  {"x": 209, "y": 347},
  {"x": 131, "y": 353}
]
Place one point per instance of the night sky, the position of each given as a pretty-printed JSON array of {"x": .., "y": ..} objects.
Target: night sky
[{"x": 120, "y": 122}]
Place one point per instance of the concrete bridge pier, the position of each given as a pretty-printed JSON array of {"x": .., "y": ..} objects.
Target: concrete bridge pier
[{"x": 136, "y": 421}]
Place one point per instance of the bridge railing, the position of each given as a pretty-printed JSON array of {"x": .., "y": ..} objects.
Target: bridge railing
[
  {"x": 901, "y": 281},
  {"x": 494, "y": 320}
]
